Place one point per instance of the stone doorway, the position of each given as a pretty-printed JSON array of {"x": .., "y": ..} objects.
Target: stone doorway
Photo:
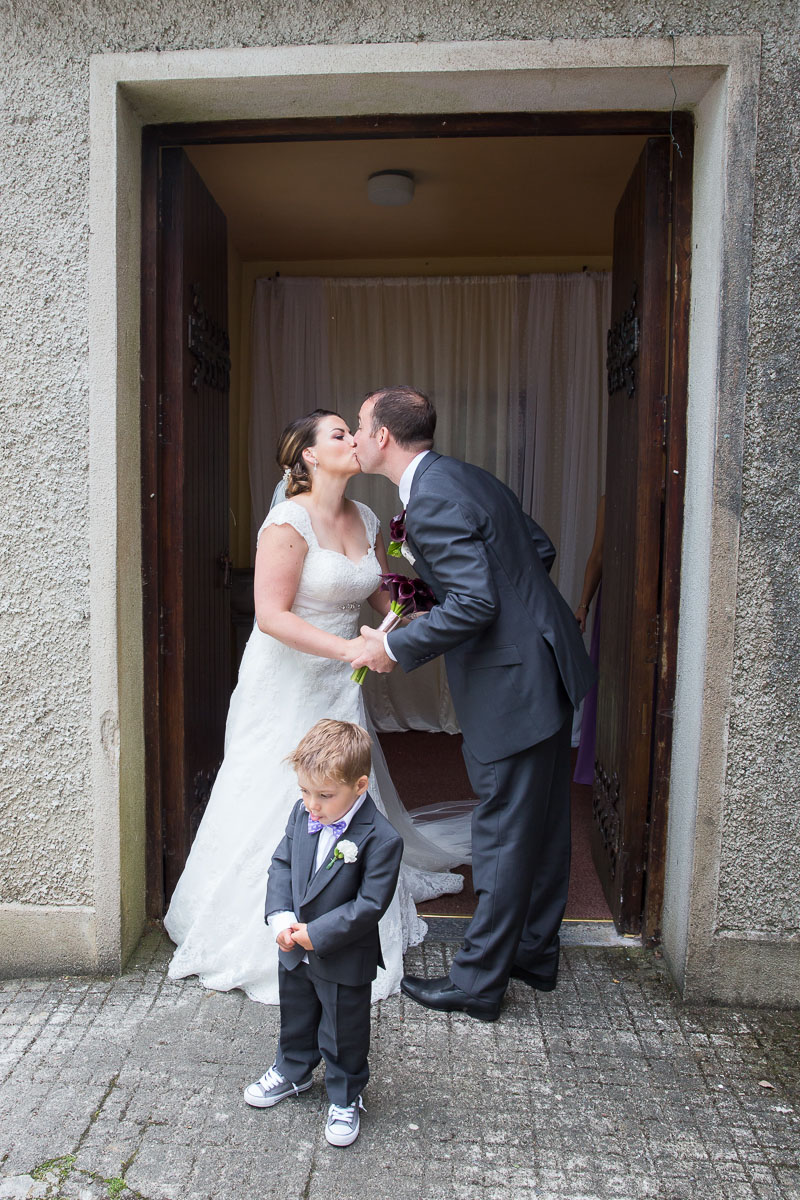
[
  {"x": 716, "y": 78},
  {"x": 644, "y": 852}
]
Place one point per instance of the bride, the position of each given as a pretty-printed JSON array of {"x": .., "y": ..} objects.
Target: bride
[{"x": 319, "y": 557}]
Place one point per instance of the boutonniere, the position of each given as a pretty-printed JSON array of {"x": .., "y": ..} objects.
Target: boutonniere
[
  {"x": 343, "y": 849},
  {"x": 397, "y": 530}
]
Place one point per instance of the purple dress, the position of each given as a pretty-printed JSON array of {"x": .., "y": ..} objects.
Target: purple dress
[{"x": 584, "y": 764}]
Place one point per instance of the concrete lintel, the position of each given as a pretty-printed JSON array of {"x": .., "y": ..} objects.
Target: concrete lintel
[{"x": 560, "y": 75}]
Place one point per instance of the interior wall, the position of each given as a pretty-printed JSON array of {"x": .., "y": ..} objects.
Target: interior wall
[{"x": 249, "y": 272}]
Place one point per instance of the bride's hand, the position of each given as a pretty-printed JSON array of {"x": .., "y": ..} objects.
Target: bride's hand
[{"x": 356, "y": 647}]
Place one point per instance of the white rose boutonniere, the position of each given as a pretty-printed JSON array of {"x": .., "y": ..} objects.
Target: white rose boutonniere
[{"x": 346, "y": 850}]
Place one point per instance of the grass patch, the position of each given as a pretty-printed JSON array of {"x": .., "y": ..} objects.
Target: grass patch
[{"x": 59, "y": 1166}]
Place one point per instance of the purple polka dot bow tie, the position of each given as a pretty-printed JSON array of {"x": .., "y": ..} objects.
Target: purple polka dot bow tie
[{"x": 337, "y": 828}]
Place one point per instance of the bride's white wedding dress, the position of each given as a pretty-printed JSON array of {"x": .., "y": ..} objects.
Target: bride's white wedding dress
[{"x": 216, "y": 915}]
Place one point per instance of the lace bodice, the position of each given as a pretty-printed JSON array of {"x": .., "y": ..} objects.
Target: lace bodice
[{"x": 332, "y": 586}]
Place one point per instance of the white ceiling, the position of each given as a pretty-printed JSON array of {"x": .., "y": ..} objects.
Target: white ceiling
[{"x": 476, "y": 197}]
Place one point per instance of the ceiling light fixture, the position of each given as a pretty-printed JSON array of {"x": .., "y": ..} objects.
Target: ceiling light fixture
[{"x": 390, "y": 188}]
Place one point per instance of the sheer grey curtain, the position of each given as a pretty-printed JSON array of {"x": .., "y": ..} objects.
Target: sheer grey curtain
[
  {"x": 291, "y": 374},
  {"x": 515, "y": 367}
]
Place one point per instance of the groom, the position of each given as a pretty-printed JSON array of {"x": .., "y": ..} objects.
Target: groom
[{"x": 517, "y": 668}]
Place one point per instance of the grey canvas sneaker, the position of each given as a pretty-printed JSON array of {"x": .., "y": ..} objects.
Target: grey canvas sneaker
[
  {"x": 343, "y": 1124},
  {"x": 271, "y": 1088}
]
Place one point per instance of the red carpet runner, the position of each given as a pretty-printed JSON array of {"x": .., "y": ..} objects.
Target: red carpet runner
[{"x": 428, "y": 768}]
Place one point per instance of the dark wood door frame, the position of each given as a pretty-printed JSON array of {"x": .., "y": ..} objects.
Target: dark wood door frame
[
  {"x": 681, "y": 163},
  {"x": 679, "y": 128}
]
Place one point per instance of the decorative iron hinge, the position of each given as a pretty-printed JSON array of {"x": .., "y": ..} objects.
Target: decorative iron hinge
[
  {"x": 225, "y": 564},
  {"x": 209, "y": 345},
  {"x": 162, "y": 631},
  {"x": 653, "y": 634},
  {"x": 622, "y": 349},
  {"x": 162, "y": 426}
]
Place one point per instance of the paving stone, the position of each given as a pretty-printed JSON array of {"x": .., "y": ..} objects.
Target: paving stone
[
  {"x": 608, "y": 1088},
  {"x": 21, "y": 1187}
]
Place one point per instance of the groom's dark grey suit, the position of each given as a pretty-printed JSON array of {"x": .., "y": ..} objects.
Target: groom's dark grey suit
[{"x": 517, "y": 668}]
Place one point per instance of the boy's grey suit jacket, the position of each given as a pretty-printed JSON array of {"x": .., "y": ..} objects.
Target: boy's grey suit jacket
[
  {"x": 341, "y": 904},
  {"x": 512, "y": 646}
]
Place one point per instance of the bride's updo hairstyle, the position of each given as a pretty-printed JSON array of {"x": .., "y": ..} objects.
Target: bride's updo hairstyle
[{"x": 296, "y": 438}]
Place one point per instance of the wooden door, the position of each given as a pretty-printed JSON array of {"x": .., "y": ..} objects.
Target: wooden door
[
  {"x": 193, "y": 562},
  {"x": 635, "y": 472}
]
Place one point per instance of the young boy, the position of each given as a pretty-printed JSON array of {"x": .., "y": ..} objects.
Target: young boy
[{"x": 325, "y": 896}]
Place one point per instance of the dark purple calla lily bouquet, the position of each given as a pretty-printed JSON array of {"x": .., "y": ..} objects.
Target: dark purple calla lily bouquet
[{"x": 409, "y": 596}]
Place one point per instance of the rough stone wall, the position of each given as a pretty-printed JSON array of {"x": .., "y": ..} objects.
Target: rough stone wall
[
  {"x": 46, "y": 831},
  {"x": 45, "y": 820}
]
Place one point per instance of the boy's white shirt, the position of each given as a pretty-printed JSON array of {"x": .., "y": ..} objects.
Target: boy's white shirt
[{"x": 278, "y": 921}]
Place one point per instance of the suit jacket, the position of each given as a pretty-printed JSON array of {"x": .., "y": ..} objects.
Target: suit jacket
[
  {"x": 342, "y": 904},
  {"x": 514, "y": 654}
]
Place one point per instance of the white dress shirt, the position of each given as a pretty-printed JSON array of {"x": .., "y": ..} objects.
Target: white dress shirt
[
  {"x": 404, "y": 488},
  {"x": 407, "y": 478},
  {"x": 326, "y": 838}
]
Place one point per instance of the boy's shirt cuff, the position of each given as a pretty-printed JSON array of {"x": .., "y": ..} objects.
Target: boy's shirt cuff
[{"x": 278, "y": 921}]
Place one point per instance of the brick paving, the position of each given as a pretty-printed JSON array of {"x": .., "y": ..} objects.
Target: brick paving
[{"x": 609, "y": 1088}]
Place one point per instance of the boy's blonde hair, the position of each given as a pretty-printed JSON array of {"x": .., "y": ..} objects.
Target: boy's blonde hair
[{"x": 335, "y": 750}]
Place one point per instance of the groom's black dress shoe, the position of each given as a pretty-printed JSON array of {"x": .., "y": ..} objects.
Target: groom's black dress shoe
[
  {"x": 542, "y": 983},
  {"x": 444, "y": 996}
]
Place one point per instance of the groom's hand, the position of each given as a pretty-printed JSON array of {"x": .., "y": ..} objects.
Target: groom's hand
[{"x": 373, "y": 652}]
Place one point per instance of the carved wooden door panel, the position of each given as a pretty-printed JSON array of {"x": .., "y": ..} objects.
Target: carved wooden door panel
[
  {"x": 194, "y": 567},
  {"x": 637, "y": 364}
]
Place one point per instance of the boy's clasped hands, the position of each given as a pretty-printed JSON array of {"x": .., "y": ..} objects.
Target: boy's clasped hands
[{"x": 294, "y": 935}]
